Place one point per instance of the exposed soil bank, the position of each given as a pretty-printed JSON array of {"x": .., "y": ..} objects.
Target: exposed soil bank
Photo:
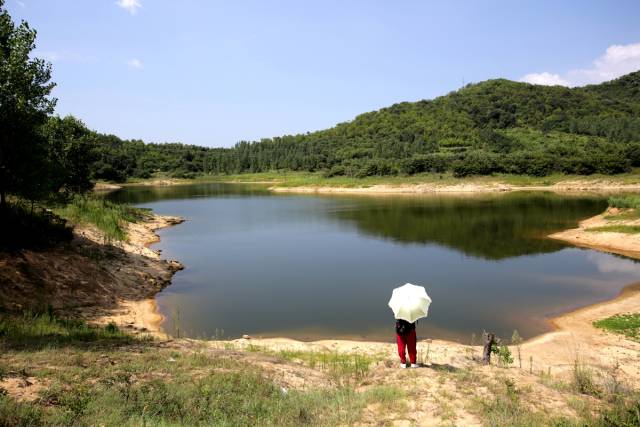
[
  {"x": 91, "y": 279},
  {"x": 619, "y": 243},
  {"x": 464, "y": 187}
]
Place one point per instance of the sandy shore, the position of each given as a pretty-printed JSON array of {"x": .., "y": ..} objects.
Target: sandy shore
[
  {"x": 426, "y": 188},
  {"x": 139, "y": 311},
  {"x": 618, "y": 243},
  {"x": 105, "y": 187}
]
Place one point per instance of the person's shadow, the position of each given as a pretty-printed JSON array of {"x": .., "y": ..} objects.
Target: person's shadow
[{"x": 440, "y": 367}]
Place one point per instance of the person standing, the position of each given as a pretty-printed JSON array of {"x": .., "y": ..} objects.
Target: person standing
[{"x": 406, "y": 338}]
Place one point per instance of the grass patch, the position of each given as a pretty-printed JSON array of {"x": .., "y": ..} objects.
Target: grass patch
[
  {"x": 625, "y": 202},
  {"x": 616, "y": 228},
  {"x": 623, "y": 413},
  {"x": 624, "y": 324},
  {"x": 37, "y": 331},
  {"x": 629, "y": 214},
  {"x": 341, "y": 367},
  {"x": 109, "y": 217},
  {"x": 630, "y": 203}
]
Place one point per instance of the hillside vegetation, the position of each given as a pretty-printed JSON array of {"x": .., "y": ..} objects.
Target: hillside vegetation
[{"x": 497, "y": 126}]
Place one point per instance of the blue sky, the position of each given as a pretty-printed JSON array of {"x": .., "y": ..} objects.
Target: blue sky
[{"x": 215, "y": 72}]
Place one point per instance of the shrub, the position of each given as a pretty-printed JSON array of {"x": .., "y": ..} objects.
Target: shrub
[
  {"x": 337, "y": 170},
  {"x": 474, "y": 163},
  {"x": 625, "y": 202}
]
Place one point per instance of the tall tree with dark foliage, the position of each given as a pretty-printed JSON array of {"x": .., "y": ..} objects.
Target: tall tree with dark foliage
[{"x": 25, "y": 105}]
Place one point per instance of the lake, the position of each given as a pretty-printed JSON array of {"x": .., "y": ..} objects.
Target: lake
[{"x": 313, "y": 266}]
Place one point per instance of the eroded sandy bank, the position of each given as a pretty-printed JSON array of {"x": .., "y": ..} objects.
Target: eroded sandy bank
[
  {"x": 88, "y": 278},
  {"x": 619, "y": 243}
]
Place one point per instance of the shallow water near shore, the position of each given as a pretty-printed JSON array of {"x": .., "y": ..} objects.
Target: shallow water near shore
[{"x": 312, "y": 267}]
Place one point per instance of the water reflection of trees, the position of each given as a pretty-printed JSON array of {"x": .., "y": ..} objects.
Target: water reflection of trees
[
  {"x": 153, "y": 193},
  {"x": 492, "y": 227}
]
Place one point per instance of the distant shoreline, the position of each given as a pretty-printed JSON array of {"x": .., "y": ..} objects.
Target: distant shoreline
[
  {"x": 564, "y": 187},
  {"x": 310, "y": 183}
]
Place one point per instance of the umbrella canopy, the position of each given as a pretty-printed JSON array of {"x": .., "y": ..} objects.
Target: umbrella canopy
[{"x": 410, "y": 302}]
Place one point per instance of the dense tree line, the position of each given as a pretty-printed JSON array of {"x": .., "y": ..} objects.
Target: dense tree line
[{"x": 497, "y": 126}]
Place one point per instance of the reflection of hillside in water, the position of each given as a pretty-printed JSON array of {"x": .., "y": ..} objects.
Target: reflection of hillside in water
[
  {"x": 493, "y": 227},
  {"x": 150, "y": 193}
]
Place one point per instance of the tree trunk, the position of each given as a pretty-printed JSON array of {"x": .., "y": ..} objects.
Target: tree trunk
[
  {"x": 3, "y": 201},
  {"x": 489, "y": 341}
]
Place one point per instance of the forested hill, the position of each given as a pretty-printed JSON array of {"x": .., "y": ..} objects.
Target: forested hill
[{"x": 497, "y": 126}]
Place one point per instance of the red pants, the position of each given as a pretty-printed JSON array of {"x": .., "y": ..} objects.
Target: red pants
[{"x": 408, "y": 341}]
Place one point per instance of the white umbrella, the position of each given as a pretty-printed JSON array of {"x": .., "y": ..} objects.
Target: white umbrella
[{"x": 410, "y": 302}]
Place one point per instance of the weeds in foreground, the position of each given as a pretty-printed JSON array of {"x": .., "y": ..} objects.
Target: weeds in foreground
[
  {"x": 505, "y": 408},
  {"x": 45, "y": 330},
  {"x": 622, "y": 414},
  {"x": 584, "y": 379},
  {"x": 237, "y": 398},
  {"x": 94, "y": 384}
]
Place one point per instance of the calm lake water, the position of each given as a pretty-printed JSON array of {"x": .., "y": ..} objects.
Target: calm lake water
[{"x": 310, "y": 267}]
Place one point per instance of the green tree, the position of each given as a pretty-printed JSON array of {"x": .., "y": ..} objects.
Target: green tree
[
  {"x": 69, "y": 154},
  {"x": 24, "y": 106}
]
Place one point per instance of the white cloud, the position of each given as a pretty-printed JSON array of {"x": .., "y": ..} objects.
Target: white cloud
[
  {"x": 618, "y": 60},
  {"x": 135, "y": 63},
  {"x": 545, "y": 78},
  {"x": 21, "y": 4},
  {"x": 130, "y": 6}
]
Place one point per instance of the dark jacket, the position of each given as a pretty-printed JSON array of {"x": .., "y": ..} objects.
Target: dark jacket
[{"x": 403, "y": 327}]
